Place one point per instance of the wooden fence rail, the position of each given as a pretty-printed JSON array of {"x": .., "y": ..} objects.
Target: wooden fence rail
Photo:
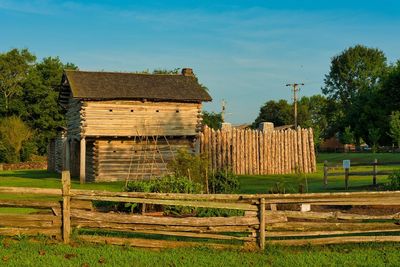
[
  {"x": 346, "y": 173},
  {"x": 266, "y": 219},
  {"x": 256, "y": 152}
]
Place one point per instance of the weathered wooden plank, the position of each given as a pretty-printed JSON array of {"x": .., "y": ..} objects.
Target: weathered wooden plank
[
  {"x": 325, "y": 233},
  {"x": 16, "y": 231},
  {"x": 82, "y": 223},
  {"x": 66, "y": 212},
  {"x": 314, "y": 197},
  {"x": 29, "y": 203},
  {"x": 331, "y": 226},
  {"x": 140, "y": 219},
  {"x": 14, "y": 222},
  {"x": 28, "y": 217},
  {"x": 30, "y": 190},
  {"x": 262, "y": 223},
  {"x": 221, "y": 205},
  {"x": 149, "y": 243},
  {"x": 337, "y": 215}
]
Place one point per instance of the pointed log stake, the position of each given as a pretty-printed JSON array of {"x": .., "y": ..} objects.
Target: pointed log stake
[{"x": 66, "y": 219}]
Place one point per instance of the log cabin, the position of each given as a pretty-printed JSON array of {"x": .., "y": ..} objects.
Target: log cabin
[{"x": 124, "y": 126}]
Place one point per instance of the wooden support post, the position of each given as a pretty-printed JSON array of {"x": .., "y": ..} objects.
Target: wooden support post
[
  {"x": 325, "y": 173},
  {"x": 262, "y": 223},
  {"x": 67, "y": 165},
  {"x": 143, "y": 208},
  {"x": 66, "y": 213},
  {"x": 273, "y": 207},
  {"x": 82, "y": 165},
  {"x": 346, "y": 178},
  {"x": 301, "y": 188},
  {"x": 375, "y": 172}
]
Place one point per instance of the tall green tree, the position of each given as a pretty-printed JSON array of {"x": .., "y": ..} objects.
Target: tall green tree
[
  {"x": 355, "y": 76},
  {"x": 14, "y": 68},
  {"x": 390, "y": 89},
  {"x": 395, "y": 127},
  {"x": 278, "y": 112},
  {"x": 30, "y": 91},
  {"x": 212, "y": 120},
  {"x": 40, "y": 98},
  {"x": 312, "y": 113}
]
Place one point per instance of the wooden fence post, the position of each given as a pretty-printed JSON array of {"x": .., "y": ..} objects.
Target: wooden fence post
[
  {"x": 261, "y": 213},
  {"x": 66, "y": 215},
  {"x": 346, "y": 178},
  {"x": 325, "y": 173},
  {"x": 375, "y": 172}
]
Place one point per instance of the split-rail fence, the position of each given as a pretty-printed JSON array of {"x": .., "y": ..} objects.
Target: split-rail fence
[
  {"x": 347, "y": 172},
  {"x": 293, "y": 219},
  {"x": 255, "y": 152}
]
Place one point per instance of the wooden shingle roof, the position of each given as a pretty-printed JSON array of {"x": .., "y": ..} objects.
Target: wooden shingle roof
[{"x": 118, "y": 85}]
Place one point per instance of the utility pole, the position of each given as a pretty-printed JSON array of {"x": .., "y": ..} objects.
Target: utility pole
[{"x": 295, "y": 90}]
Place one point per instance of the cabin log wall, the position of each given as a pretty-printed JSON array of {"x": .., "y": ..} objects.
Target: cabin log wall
[
  {"x": 118, "y": 160},
  {"x": 112, "y": 130},
  {"x": 136, "y": 118}
]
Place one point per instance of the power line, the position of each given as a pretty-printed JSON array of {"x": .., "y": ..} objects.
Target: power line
[{"x": 295, "y": 90}]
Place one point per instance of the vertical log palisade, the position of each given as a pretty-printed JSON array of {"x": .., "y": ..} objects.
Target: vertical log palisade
[{"x": 254, "y": 152}]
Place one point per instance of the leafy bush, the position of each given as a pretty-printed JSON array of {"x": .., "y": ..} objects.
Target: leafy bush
[
  {"x": 207, "y": 212},
  {"x": 189, "y": 165},
  {"x": 223, "y": 183},
  {"x": 176, "y": 184},
  {"x": 28, "y": 151},
  {"x": 13, "y": 133},
  {"x": 394, "y": 181},
  {"x": 140, "y": 186},
  {"x": 167, "y": 184}
]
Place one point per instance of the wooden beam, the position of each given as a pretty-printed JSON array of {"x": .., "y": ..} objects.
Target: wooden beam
[
  {"x": 82, "y": 165},
  {"x": 67, "y": 155},
  {"x": 262, "y": 224},
  {"x": 66, "y": 212}
]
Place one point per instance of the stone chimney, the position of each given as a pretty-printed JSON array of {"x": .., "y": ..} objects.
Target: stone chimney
[{"x": 187, "y": 72}]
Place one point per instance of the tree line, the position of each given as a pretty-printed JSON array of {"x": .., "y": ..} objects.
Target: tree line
[
  {"x": 359, "y": 102},
  {"x": 30, "y": 115},
  {"x": 29, "y": 110}
]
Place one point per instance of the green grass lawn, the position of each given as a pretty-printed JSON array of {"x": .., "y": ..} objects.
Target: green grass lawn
[
  {"x": 358, "y": 157},
  {"x": 44, "y": 179},
  {"x": 249, "y": 184},
  {"x": 26, "y": 253}
]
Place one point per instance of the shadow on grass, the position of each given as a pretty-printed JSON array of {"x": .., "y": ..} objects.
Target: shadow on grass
[{"x": 31, "y": 174}]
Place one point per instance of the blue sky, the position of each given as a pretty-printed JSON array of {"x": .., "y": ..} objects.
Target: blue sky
[{"x": 243, "y": 51}]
